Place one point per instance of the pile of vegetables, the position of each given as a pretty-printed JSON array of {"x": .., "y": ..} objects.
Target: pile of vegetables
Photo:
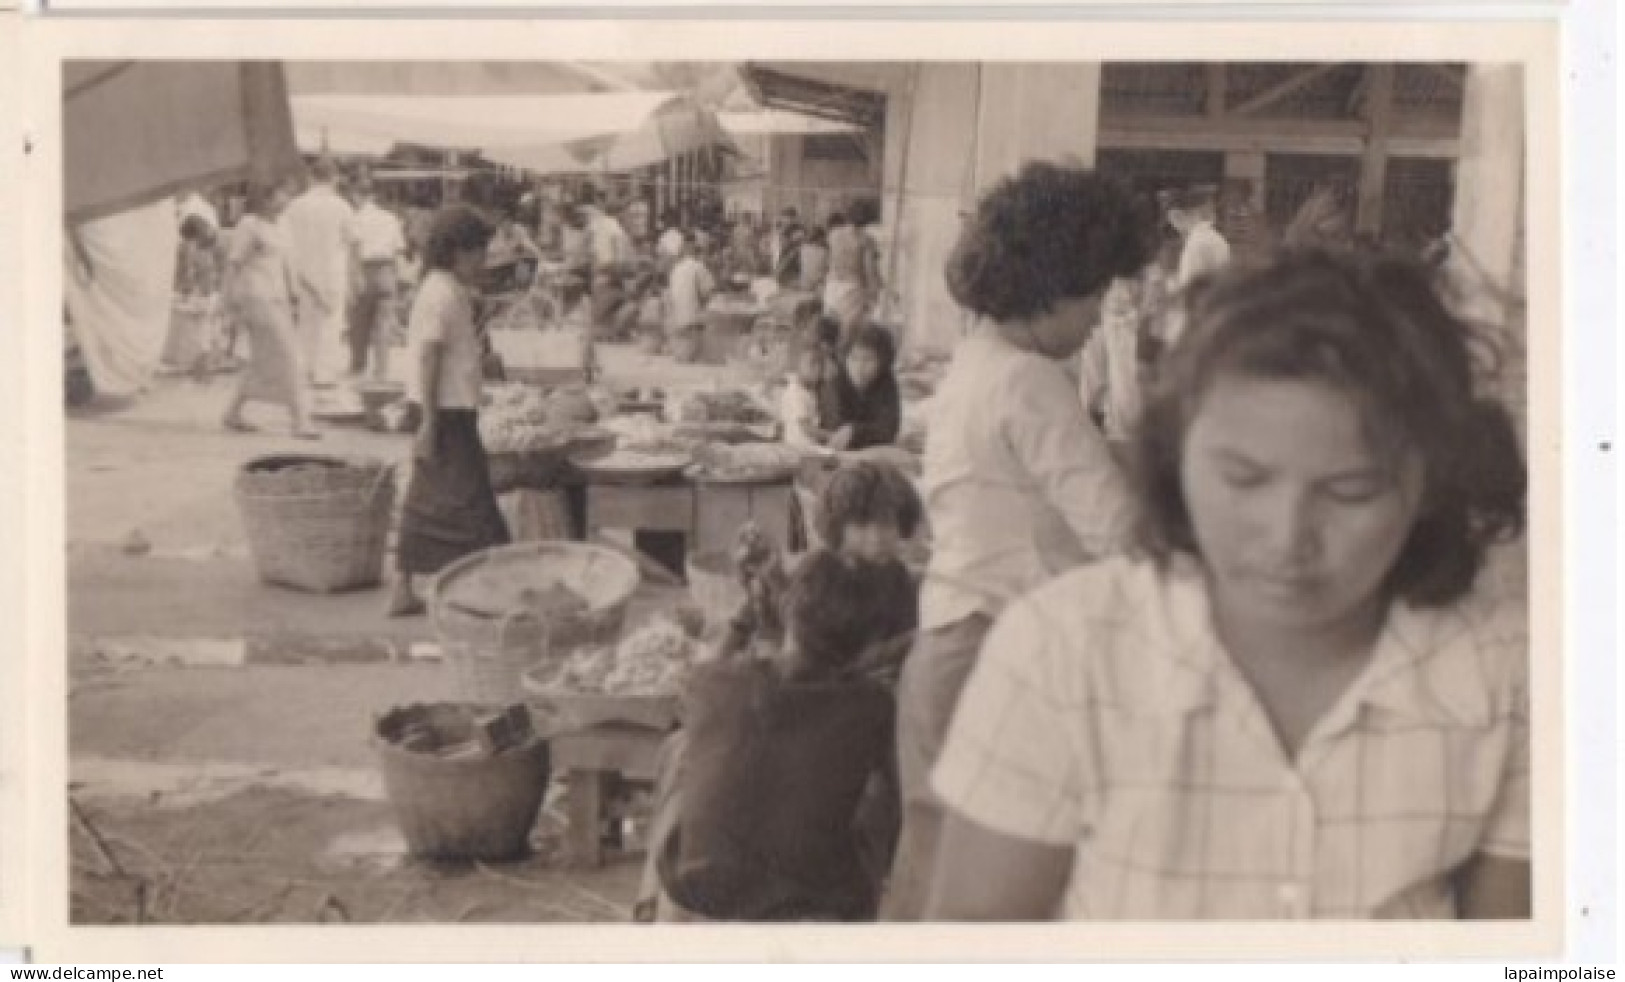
[
  {"x": 649, "y": 662},
  {"x": 519, "y": 418}
]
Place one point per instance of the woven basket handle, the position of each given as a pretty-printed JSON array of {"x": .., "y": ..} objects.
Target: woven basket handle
[{"x": 385, "y": 471}]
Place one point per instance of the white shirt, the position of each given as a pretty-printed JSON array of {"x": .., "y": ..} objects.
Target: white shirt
[
  {"x": 798, "y": 413},
  {"x": 443, "y": 312},
  {"x": 1104, "y": 716},
  {"x": 610, "y": 243},
  {"x": 319, "y": 224},
  {"x": 1110, "y": 366},
  {"x": 378, "y": 234},
  {"x": 688, "y": 286},
  {"x": 1019, "y": 485},
  {"x": 1205, "y": 251}
]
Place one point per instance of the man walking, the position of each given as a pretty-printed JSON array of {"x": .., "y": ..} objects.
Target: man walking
[
  {"x": 379, "y": 242},
  {"x": 319, "y": 223}
]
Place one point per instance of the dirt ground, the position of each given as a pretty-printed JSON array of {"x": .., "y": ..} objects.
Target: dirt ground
[{"x": 218, "y": 728}]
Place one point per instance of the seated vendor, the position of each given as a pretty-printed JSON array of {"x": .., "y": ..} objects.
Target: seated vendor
[
  {"x": 865, "y": 513},
  {"x": 778, "y": 758},
  {"x": 868, "y": 402}
]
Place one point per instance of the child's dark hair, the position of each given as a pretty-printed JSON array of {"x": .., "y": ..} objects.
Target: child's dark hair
[
  {"x": 873, "y": 337},
  {"x": 1048, "y": 234},
  {"x": 867, "y": 492},
  {"x": 827, "y": 612},
  {"x": 1376, "y": 329}
]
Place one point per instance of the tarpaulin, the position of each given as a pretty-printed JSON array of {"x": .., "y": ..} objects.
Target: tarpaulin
[
  {"x": 119, "y": 275},
  {"x": 138, "y": 131}
]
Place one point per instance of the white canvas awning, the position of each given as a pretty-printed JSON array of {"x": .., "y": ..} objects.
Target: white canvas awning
[
  {"x": 778, "y": 122},
  {"x": 485, "y": 123}
]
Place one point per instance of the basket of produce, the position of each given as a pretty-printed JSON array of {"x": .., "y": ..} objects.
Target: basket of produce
[
  {"x": 746, "y": 463},
  {"x": 317, "y": 523},
  {"x": 528, "y": 433},
  {"x": 466, "y": 782},
  {"x": 499, "y": 612},
  {"x": 634, "y": 681}
]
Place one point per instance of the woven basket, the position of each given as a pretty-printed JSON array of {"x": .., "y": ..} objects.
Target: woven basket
[
  {"x": 715, "y": 589},
  {"x": 461, "y": 809},
  {"x": 492, "y": 640},
  {"x": 317, "y": 523}
]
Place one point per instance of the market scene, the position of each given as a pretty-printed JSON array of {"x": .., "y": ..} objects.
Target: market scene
[{"x": 778, "y": 491}]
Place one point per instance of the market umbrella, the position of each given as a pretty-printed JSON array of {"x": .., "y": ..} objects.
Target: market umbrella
[
  {"x": 135, "y": 132},
  {"x": 677, "y": 127}
]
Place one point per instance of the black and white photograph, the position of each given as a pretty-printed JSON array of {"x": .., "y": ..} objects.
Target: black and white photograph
[{"x": 793, "y": 491}]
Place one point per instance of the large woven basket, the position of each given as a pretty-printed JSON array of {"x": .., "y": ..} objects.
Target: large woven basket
[
  {"x": 476, "y": 808},
  {"x": 489, "y": 636},
  {"x": 317, "y": 523}
]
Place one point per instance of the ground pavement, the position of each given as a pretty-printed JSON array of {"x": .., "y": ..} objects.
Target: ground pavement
[{"x": 218, "y": 727}]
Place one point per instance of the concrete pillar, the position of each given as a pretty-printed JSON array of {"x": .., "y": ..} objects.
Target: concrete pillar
[
  {"x": 1488, "y": 214},
  {"x": 1487, "y": 264}
]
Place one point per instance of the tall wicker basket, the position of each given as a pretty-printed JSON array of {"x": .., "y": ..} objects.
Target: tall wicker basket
[{"x": 317, "y": 523}]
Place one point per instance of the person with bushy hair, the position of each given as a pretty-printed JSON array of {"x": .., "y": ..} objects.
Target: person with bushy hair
[
  {"x": 1307, "y": 700},
  {"x": 764, "y": 792},
  {"x": 1019, "y": 484}
]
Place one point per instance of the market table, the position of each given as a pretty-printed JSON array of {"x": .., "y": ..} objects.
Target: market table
[
  {"x": 597, "y": 760},
  {"x": 708, "y": 514}
]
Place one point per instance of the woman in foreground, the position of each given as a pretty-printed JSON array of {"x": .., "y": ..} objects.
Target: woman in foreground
[
  {"x": 1308, "y": 705},
  {"x": 1019, "y": 485}
]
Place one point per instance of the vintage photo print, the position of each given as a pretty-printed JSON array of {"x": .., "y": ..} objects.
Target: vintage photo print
[{"x": 515, "y": 488}]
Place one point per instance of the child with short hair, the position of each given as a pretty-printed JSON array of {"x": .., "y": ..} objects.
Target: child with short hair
[
  {"x": 778, "y": 756},
  {"x": 864, "y": 514},
  {"x": 800, "y": 420}
]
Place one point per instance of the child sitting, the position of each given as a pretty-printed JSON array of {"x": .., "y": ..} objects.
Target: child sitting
[
  {"x": 863, "y": 514},
  {"x": 868, "y": 402},
  {"x": 777, "y": 756},
  {"x": 800, "y": 420}
]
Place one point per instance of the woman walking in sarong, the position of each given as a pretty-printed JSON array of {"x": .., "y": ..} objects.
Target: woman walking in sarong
[
  {"x": 451, "y": 509},
  {"x": 261, "y": 287}
]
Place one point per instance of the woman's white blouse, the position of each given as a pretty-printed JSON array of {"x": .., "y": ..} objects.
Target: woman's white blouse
[{"x": 1103, "y": 716}]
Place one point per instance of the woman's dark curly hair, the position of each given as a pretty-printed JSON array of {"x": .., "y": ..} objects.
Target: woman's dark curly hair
[
  {"x": 455, "y": 229},
  {"x": 1048, "y": 234},
  {"x": 867, "y": 492},
  {"x": 1376, "y": 329}
]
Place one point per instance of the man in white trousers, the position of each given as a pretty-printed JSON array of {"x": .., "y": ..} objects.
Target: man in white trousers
[{"x": 320, "y": 224}]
